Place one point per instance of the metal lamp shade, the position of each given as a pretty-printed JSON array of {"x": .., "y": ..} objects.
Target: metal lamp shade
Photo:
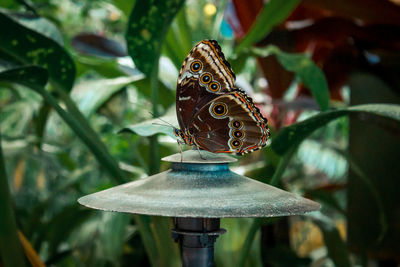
[{"x": 199, "y": 188}]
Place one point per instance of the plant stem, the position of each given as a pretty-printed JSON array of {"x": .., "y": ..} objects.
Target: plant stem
[
  {"x": 10, "y": 248},
  {"x": 255, "y": 226},
  {"x": 154, "y": 166},
  {"x": 41, "y": 121},
  {"x": 280, "y": 169}
]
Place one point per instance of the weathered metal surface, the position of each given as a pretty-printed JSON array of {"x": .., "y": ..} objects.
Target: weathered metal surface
[{"x": 199, "y": 190}]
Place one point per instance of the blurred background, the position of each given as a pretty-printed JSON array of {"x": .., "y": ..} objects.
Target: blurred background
[{"x": 73, "y": 74}]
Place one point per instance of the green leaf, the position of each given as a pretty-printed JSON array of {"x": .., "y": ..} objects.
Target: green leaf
[
  {"x": 152, "y": 127},
  {"x": 148, "y": 25},
  {"x": 273, "y": 13},
  {"x": 29, "y": 47},
  {"x": 124, "y": 6},
  {"x": 112, "y": 235},
  {"x": 337, "y": 249},
  {"x": 40, "y": 25},
  {"x": 160, "y": 247},
  {"x": 90, "y": 95},
  {"x": 166, "y": 96},
  {"x": 10, "y": 248},
  {"x": 29, "y": 74},
  {"x": 240, "y": 246},
  {"x": 360, "y": 174},
  {"x": 294, "y": 134},
  {"x": 37, "y": 215},
  {"x": 143, "y": 223},
  {"x": 167, "y": 248},
  {"x": 326, "y": 199},
  {"x": 249, "y": 242},
  {"x": 63, "y": 223},
  {"x": 305, "y": 69}
]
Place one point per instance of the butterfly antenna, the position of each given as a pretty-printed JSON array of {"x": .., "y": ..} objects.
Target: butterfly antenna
[
  {"x": 155, "y": 123},
  {"x": 169, "y": 124}
]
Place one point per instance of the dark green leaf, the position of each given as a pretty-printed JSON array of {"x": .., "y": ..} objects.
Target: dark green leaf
[
  {"x": 326, "y": 198},
  {"x": 360, "y": 174},
  {"x": 63, "y": 223},
  {"x": 294, "y": 134},
  {"x": 273, "y": 13},
  {"x": 305, "y": 69},
  {"x": 10, "y": 248},
  {"x": 29, "y": 47},
  {"x": 29, "y": 74},
  {"x": 148, "y": 25},
  {"x": 337, "y": 249},
  {"x": 40, "y": 25}
]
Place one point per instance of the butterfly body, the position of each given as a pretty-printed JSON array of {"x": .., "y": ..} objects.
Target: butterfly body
[{"x": 214, "y": 114}]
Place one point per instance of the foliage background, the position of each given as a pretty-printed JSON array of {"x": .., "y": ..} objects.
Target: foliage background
[{"x": 68, "y": 85}]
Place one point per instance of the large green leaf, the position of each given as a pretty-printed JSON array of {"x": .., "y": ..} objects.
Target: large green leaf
[
  {"x": 304, "y": 68},
  {"x": 10, "y": 248},
  {"x": 154, "y": 126},
  {"x": 148, "y": 25},
  {"x": 29, "y": 47},
  {"x": 40, "y": 25},
  {"x": 273, "y": 13},
  {"x": 92, "y": 94},
  {"x": 294, "y": 134}
]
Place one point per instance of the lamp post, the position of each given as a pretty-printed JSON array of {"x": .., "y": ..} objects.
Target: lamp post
[{"x": 198, "y": 192}]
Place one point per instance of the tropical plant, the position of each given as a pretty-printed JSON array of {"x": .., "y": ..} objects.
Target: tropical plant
[{"x": 69, "y": 84}]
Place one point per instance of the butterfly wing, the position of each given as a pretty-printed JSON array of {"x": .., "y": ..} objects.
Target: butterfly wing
[
  {"x": 229, "y": 123},
  {"x": 205, "y": 75}
]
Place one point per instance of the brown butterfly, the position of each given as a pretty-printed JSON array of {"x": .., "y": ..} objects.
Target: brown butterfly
[{"x": 213, "y": 114}]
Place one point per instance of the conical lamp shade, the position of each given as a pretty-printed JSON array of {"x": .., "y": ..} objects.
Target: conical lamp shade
[{"x": 197, "y": 187}]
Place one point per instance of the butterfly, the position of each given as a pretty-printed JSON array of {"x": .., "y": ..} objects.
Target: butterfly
[{"x": 214, "y": 114}]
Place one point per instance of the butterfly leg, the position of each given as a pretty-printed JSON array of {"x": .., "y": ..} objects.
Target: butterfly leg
[
  {"x": 198, "y": 149},
  {"x": 180, "y": 148}
]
